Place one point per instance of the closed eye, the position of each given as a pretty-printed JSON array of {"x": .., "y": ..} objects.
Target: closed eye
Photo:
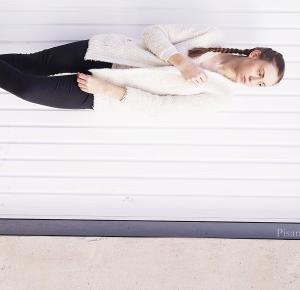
[{"x": 262, "y": 75}]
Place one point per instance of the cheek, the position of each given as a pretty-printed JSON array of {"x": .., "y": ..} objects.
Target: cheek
[
  {"x": 249, "y": 69},
  {"x": 245, "y": 67},
  {"x": 242, "y": 69}
]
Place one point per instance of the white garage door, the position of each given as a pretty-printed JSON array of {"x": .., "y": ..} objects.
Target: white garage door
[{"x": 243, "y": 165}]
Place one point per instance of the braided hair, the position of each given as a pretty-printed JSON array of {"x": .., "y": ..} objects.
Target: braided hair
[{"x": 267, "y": 54}]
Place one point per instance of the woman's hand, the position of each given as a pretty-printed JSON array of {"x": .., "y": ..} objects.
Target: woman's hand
[
  {"x": 192, "y": 72},
  {"x": 91, "y": 84}
]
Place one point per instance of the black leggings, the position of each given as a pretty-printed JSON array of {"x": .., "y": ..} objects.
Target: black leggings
[{"x": 27, "y": 75}]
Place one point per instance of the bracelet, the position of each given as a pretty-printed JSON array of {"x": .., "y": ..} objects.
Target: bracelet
[{"x": 124, "y": 94}]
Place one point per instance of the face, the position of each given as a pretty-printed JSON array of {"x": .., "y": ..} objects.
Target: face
[{"x": 256, "y": 72}]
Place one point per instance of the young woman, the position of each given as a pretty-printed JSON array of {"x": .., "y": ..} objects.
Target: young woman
[{"x": 162, "y": 49}]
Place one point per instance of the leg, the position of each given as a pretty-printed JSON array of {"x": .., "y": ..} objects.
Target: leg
[
  {"x": 53, "y": 91},
  {"x": 67, "y": 58}
]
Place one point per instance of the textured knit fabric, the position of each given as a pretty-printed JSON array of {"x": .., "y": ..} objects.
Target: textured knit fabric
[
  {"x": 158, "y": 43},
  {"x": 155, "y": 90},
  {"x": 117, "y": 65},
  {"x": 152, "y": 84}
]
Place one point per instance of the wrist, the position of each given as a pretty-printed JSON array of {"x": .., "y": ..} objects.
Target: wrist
[
  {"x": 115, "y": 91},
  {"x": 185, "y": 64},
  {"x": 179, "y": 60},
  {"x": 105, "y": 88}
]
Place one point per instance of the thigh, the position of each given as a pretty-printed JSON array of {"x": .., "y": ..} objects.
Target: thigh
[{"x": 59, "y": 59}]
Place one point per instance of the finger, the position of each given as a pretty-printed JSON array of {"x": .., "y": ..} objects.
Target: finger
[
  {"x": 81, "y": 81},
  {"x": 197, "y": 79},
  {"x": 84, "y": 89},
  {"x": 82, "y": 86},
  {"x": 201, "y": 80},
  {"x": 200, "y": 77},
  {"x": 83, "y": 76},
  {"x": 204, "y": 77}
]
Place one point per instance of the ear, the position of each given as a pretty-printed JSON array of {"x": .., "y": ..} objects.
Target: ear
[{"x": 255, "y": 53}]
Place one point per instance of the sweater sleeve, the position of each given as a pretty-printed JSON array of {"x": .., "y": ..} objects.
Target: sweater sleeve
[
  {"x": 160, "y": 38},
  {"x": 154, "y": 104}
]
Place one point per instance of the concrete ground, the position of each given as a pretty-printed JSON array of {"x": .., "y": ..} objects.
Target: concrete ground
[{"x": 63, "y": 263}]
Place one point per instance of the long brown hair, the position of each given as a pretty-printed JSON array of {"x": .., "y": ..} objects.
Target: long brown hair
[{"x": 267, "y": 54}]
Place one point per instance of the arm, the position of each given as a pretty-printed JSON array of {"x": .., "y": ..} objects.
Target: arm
[
  {"x": 154, "y": 104},
  {"x": 160, "y": 38}
]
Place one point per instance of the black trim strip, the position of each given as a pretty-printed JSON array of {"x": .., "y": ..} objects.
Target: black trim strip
[{"x": 146, "y": 228}]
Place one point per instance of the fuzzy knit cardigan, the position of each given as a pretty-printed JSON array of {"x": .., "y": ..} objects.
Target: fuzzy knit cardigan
[{"x": 152, "y": 84}]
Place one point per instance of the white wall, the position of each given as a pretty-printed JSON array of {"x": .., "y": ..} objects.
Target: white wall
[{"x": 242, "y": 166}]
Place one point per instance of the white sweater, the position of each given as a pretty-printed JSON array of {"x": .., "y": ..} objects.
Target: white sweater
[
  {"x": 157, "y": 44},
  {"x": 152, "y": 88},
  {"x": 160, "y": 89}
]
